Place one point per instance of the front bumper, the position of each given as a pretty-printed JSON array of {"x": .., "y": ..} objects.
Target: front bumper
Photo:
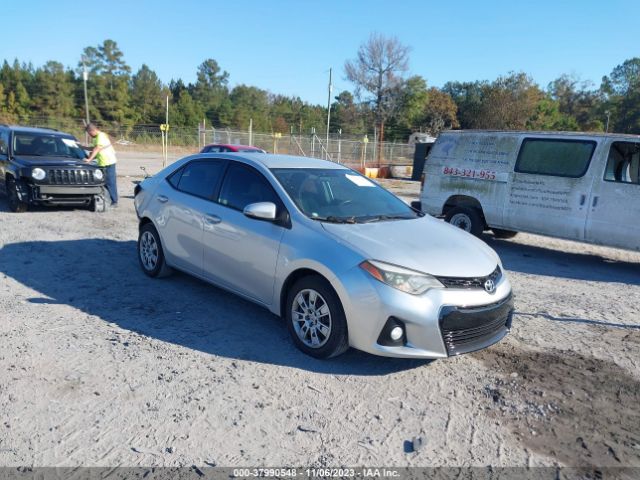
[
  {"x": 64, "y": 194},
  {"x": 437, "y": 324}
]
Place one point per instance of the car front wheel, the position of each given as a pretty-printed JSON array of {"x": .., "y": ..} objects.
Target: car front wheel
[
  {"x": 150, "y": 253},
  {"x": 315, "y": 318},
  {"x": 15, "y": 204}
]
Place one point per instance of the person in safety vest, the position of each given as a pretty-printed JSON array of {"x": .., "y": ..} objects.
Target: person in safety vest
[{"x": 105, "y": 156}]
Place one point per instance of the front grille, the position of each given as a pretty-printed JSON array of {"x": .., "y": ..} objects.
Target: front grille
[
  {"x": 471, "y": 282},
  {"x": 71, "y": 176},
  {"x": 468, "y": 329}
]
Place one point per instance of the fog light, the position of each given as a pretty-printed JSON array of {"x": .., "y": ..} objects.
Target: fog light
[
  {"x": 396, "y": 333},
  {"x": 393, "y": 333}
]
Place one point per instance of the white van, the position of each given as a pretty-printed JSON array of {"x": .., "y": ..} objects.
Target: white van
[{"x": 576, "y": 186}]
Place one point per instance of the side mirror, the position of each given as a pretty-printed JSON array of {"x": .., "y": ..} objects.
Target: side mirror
[{"x": 261, "y": 211}]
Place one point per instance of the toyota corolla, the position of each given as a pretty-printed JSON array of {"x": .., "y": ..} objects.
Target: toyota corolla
[{"x": 341, "y": 259}]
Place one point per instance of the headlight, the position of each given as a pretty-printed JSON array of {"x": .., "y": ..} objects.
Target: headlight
[
  {"x": 403, "y": 279},
  {"x": 97, "y": 174},
  {"x": 38, "y": 174}
]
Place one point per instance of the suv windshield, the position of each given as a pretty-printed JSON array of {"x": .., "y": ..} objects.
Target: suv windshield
[
  {"x": 341, "y": 196},
  {"x": 46, "y": 145}
]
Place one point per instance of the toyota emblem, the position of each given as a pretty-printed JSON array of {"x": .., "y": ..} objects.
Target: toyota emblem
[{"x": 490, "y": 286}]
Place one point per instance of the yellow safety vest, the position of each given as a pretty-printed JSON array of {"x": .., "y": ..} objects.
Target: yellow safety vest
[{"x": 106, "y": 156}]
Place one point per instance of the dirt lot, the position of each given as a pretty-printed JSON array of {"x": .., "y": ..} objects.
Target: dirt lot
[{"x": 102, "y": 366}]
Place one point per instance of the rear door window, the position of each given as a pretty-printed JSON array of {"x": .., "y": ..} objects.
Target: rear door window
[
  {"x": 199, "y": 178},
  {"x": 557, "y": 157}
]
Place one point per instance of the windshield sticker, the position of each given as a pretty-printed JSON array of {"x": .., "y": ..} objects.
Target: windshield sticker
[
  {"x": 360, "y": 181},
  {"x": 70, "y": 143}
]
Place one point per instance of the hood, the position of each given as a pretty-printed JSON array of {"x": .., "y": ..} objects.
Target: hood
[
  {"x": 40, "y": 161},
  {"x": 425, "y": 244}
]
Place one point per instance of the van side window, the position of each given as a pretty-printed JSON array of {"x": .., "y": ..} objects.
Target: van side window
[
  {"x": 623, "y": 164},
  {"x": 561, "y": 158}
]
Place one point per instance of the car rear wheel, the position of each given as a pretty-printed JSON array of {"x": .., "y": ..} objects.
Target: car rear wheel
[
  {"x": 468, "y": 219},
  {"x": 15, "y": 204},
  {"x": 150, "y": 253},
  {"x": 315, "y": 318}
]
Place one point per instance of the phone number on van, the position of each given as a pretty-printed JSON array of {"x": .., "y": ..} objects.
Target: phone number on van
[{"x": 470, "y": 173}]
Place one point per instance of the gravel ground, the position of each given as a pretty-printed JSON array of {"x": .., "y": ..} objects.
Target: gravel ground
[{"x": 102, "y": 366}]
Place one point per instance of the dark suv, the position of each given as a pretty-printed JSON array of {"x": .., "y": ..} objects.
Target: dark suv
[{"x": 41, "y": 166}]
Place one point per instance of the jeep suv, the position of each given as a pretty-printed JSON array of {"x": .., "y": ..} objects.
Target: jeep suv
[{"x": 41, "y": 166}]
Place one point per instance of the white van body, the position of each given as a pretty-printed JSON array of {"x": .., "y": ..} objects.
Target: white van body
[{"x": 577, "y": 186}]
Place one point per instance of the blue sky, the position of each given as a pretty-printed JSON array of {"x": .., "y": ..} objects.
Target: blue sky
[{"x": 288, "y": 46}]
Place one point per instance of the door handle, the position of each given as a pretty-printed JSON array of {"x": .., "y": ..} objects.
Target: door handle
[
  {"x": 212, "y": 219},
  {"x": 162, "y": 198},
  {"x": 595, "y": 201},
  {"x": 583, "y": 198}
]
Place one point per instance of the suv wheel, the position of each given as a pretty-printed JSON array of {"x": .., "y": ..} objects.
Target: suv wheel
[
  {"x": 15, "y": 204},
  {"x": 150, "y": 252},
  {"x": 468, "y": 219},
  {"x": 98, "y": 203},
  {"x": 315, "y": 318}
]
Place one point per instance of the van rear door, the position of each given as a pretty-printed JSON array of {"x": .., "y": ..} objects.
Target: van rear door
[
  {"x": 550, "y": 187},
  {"x": 614, "y": 210}
]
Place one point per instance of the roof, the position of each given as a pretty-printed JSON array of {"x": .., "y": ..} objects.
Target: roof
[
  {"x": 269, "y": 160},
  {"x": 25, "y": 129},
  {"x": 549, "y": 133},
  {"x": 232, "y": 145}
]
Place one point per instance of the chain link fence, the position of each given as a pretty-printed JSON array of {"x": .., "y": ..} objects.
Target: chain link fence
[{"x": 355, "y": 152}]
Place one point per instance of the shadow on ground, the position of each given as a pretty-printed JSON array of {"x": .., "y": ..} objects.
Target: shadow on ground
[
  {"x": 102, "y": 278},
  {"x": 544, "y": 261},
  {"x": 577, "y": 409}
]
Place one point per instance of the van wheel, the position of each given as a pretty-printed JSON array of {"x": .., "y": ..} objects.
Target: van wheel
[
  {"x": 315, "y": 318},
  {"x": 15, "y": 204},
  {"x": 468, "y": 219},
  {"x": 500, "y": 233}
]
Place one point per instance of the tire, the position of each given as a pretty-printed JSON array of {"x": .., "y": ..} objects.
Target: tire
[
  {"x": 328, "y": 308},
  {"x": 504, "y": 234},
  {"x": 98, "y": 203},
  {"x": 468, "y": 219},
  {"x": 150, "y": 253},
  {"x": 15, "y": 204}
]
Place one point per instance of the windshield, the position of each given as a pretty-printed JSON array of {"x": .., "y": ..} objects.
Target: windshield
[
  {"x": 341, "y": 196},
  {"x": 46, "y": 145}
]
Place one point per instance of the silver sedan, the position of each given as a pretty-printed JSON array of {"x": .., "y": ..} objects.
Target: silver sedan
[{"x": 342, "y": 260}]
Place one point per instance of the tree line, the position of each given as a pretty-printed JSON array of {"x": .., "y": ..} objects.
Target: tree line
[{"x": 384, "y": 98}]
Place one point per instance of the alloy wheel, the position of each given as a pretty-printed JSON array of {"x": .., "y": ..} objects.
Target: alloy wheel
[
  {"x": 148, "y": 251},
  {"x": 311, "y": 318}
]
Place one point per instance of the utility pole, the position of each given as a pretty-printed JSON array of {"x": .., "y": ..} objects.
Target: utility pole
[
  {"x": 607, "y": 113},
  {"x": 328, "y": 115},
  {"x": 85, "y": 77}
]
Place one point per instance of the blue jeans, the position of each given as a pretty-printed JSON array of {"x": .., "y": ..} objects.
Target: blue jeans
[{"x": 111, "y": 182}]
